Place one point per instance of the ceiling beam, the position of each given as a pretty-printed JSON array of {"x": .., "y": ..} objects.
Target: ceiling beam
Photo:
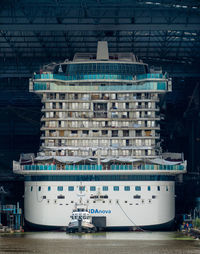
[{"x": 100, "y": 27}]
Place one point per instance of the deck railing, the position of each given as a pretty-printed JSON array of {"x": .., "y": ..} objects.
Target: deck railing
[
  {"x": 101, "y": 167},
  {"x": 150, "y": 76},
  {"x": 154, "y": 86}
]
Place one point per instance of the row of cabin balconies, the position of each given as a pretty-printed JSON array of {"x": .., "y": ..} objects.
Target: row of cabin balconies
[
  {"x": 97, "y": 115},
  {"x": 86, "y": 145},
  {"x": 99, "y": 105},
  {"x": 116, "y": 134},
  {"x": 99, "y": 95},
  {"x": 76, "y": 125},
  {"x": 82, "y": 127},
  {"x": 99, "y": 146},
  {"x": 152, "y": 99},
  {"x": 104, "y": 153},
  {"x": 91, "y": 109},
  {"x": 102, "y": 145},
  {"x": 129, "y": 114},
  {"x": 109, "y": 144},
  {"x": 91, "y": 138}
]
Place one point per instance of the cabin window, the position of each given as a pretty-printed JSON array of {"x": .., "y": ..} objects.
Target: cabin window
[
  {"x": 138, "y": 188},
  {"x": 104, "y": 132},
  {"x": 92, "y": 188},
  {"x": 39, "y": 188},
  {"x": 70, "y": 188},
  {"x": 60, "y": 188},
  {"x": 167, "y": 188},
  {"x": 81, "y": 188},
  {"x": 116, "y": 188},
  {"x": 31, "y": 188},
  {"x": 149, "y": 188},
  {"x": 105, "y": 188},
  {"x": 49, "y": 188},
  {"x": 158, "y": 188},
  {"x": 127, "y": 188}
]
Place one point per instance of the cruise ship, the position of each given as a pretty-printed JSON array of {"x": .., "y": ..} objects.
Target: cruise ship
[{"x": 100, "y": 140}]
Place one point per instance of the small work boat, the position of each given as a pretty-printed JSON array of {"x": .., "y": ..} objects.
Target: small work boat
[{"x": 81, "y": 220}]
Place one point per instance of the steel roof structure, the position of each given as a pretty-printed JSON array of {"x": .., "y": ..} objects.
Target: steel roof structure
[{"x": 160, "y": 32}]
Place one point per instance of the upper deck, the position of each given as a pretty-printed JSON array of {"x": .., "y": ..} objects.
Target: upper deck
[
  {"x": 57, "y": 165},
  {"x": 117, "y": 71}
]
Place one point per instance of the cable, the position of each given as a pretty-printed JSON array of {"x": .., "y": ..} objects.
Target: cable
[{"x": 130, "y": 218}]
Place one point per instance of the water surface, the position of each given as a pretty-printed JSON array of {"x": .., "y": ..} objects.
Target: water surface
[{"x": 104, "y": 243}]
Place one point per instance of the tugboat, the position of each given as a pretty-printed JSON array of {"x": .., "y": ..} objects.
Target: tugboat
[{"x": 81, "y": 220}]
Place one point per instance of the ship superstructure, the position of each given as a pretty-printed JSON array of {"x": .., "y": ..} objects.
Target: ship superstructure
[{"x": 100, "y": 135}]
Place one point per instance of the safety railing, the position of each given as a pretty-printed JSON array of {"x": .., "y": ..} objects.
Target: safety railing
[
  {"x": 83, "y": 77},
  {"x": 101, "y": 167},
  {"x": 145, "y": 86},
  {"x": 150, "y": 76},
  {"x": 147, "y": 167}
]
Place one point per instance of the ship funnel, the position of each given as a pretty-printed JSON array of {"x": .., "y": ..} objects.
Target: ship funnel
[{"x": 102, "y": 50}]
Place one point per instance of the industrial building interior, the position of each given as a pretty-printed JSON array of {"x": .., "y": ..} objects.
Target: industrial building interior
[{"x": 162, "y": 33}]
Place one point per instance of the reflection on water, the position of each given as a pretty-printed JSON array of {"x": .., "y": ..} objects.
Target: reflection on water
[
  {"x": 109, "y": 236},
  {"x": 104, "y": 243}
]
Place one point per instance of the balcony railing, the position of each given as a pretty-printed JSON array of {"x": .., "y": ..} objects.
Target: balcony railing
[{"x": 102, "y": 167}]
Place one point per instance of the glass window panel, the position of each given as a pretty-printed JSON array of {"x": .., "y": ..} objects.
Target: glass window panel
[
  {"x": 92, "y": 188},
  {"x": 105, "y": 188},
  {"x": 127, "y": 188},
  {"x": 116, "y": 188},
  {"x": 60, "y": 188},
  {"x": 138, "y": 188},
  {"x": 70, "y": 188}
]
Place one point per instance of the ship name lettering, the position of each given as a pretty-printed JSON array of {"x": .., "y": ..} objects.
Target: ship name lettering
[{"x": 99, "y": 211}]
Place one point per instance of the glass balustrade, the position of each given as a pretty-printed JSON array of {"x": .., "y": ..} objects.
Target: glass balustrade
[
  {"x": 150, "y": 76},
  {"x": 100, "y": 167},
  {"x": 154, "y": 86}
]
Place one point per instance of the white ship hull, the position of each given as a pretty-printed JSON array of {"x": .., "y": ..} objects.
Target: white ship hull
[{"x": 154, "y": 208}]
